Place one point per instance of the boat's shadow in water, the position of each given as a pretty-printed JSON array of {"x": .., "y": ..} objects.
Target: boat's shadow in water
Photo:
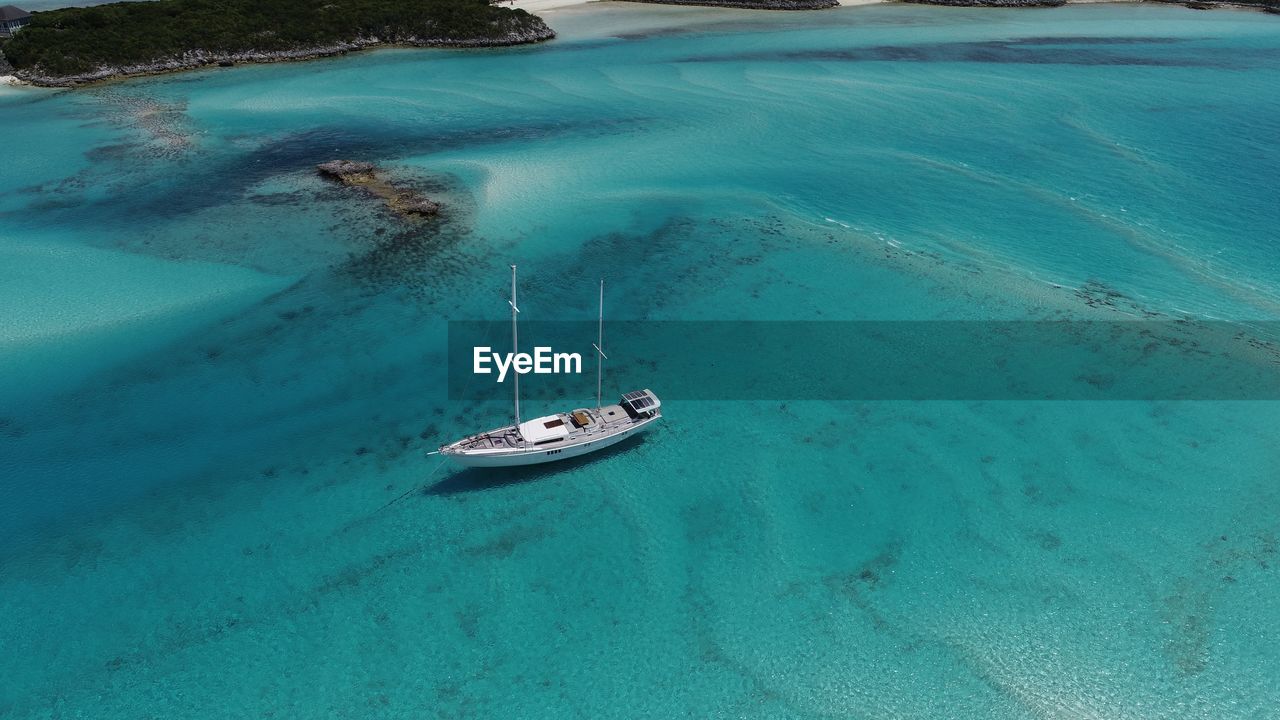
[{"x": 476, "y": 479}]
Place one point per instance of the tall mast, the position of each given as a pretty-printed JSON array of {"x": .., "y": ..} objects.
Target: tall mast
[
  {"x": 515, "y": 340},
  {"x": 600, "y": 356}
]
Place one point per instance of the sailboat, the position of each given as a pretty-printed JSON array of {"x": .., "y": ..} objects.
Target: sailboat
[{"x": 563, "y": 435}]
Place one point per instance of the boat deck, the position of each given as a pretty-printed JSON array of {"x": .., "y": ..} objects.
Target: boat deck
[
  {"x": 501, "y": 439},
  {"x": 581, "y": 424},
  {"x": 558, "y": 436}
]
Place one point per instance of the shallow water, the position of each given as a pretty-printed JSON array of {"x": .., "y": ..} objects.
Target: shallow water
[{"x": 217, "y": 370}]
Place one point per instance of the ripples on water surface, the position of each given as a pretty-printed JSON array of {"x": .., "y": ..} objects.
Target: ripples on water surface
[{"x": 217, "y": 368}]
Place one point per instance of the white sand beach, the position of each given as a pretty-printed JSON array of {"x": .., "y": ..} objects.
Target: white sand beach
[{"x": 538, "y": 7}]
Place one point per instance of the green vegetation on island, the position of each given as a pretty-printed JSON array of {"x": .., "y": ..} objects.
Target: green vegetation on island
[{"x": 73, "y": 45}]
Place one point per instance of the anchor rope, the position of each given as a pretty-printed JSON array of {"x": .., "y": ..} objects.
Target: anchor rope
[{"x": 416, "y": 488}]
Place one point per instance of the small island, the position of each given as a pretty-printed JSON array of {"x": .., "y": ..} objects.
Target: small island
[{"x": 71, "y": 46}]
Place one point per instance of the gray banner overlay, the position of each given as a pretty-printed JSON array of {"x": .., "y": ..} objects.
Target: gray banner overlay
[{"x": 879, "y": 360}]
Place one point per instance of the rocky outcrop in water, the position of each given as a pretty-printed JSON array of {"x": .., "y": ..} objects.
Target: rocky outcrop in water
[
  {"x": 536, "y": 31},
  {"x": 347, "y": 171},
  {"x": 1263, "y": 5},
  {"x": 753, "y": 4},
  {"x": 405, "y": 202},
  {"x": 1269, "y": 7}
]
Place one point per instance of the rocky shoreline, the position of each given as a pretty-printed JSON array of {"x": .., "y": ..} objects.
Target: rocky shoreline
[
  {"x": 1272, "y": 7},
  {"x": 538, "y": 31},
  {"x": 752, "y": 4}
]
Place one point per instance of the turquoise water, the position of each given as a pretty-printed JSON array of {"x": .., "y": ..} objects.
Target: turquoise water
[{"x": 218, "y": 370}]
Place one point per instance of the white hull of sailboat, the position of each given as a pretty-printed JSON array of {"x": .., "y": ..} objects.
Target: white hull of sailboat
[{"x": 517, "y": 457}]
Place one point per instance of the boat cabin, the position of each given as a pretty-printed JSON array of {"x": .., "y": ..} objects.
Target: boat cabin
[{"x": 544, "y": 430}]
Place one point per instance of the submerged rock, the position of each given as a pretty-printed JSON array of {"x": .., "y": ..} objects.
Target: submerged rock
[
  {"x": 403, "y": 201},
  {"x": 348, "y": 171},
  {"x": 409, "y": 203}
]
